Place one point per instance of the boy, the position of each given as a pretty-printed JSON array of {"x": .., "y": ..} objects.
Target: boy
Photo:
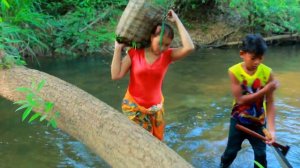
[{"x": 252, "y": 85}]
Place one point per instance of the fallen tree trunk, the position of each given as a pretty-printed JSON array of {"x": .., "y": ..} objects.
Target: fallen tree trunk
[
  {"x": 270, "y": 39},
  {"x": 103, "y": 129},
  {"x": 291, "y": 37}
]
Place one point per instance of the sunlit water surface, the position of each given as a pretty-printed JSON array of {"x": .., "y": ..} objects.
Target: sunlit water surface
[{"x": 197, "y": 102}]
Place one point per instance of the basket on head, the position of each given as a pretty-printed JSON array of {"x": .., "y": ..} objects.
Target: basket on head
[{"x": 136, "y": 22}]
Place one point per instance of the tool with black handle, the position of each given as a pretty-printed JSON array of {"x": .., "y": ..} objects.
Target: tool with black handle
[{"x": 280, "y": 149}]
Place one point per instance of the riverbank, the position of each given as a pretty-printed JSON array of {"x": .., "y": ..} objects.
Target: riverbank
[
  {"x": 219, "y": 34},
  {"x": 73, "y": 28}
]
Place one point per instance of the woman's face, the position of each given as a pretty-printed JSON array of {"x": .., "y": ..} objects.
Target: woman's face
[{"x": 158, "y": 47}]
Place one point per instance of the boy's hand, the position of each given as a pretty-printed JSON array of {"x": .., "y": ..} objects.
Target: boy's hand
[
  {"x": 273, "y": 85},
  {"x": 270, "y": 136}
]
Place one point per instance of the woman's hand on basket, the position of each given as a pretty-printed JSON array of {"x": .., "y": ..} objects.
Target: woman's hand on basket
[
  {"x": 119, "y": 46},
  {"x": 172, "y": 16}
]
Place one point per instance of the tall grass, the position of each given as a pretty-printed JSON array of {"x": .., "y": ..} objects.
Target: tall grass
[
  {"x": 71, "y": 27},
  {"x": 23, "y": 28}
]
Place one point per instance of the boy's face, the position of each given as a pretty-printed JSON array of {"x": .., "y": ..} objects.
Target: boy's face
[{"x": 251, "y": 60}]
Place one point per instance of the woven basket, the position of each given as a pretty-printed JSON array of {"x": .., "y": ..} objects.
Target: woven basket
[{"x": 138, "y": 19}]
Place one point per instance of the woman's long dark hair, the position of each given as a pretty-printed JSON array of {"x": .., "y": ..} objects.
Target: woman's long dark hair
[{"x": 167, "y": 30}]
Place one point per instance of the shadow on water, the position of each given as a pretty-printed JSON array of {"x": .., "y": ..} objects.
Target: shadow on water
[
  {"x": 197, "y": 102},
  {"x": 36, "y": 145}
]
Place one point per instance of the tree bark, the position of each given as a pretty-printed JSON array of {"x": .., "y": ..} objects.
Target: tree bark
[
  {"x": 108, "y": 133},
  {"x": 292, "y": 37}
]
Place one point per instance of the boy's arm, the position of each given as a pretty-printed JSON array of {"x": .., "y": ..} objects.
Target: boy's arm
[
  {"x": 250, "y": 98},
  {"x": 271, "y": 112}
]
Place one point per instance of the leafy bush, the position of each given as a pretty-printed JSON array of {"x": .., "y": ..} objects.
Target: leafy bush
[
  {"x": 84, "y": 27},
  {"x": 272, "y": 16},
  {"x": 22, "y": 28},
  {"x": 9, "y": 61},
  {"x": 81, "y": 27},
  {"x": 33, "y": 101}
]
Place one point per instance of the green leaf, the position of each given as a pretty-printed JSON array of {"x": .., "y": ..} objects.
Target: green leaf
[
  {"x": 7, "y": 40},
  {"x": 35, "y": 116},
  {"x": 43, "y": 117},
  {"x": 5, "y": 3},
  {"x": 23, "y": 89},
  {"x": 57, "y": 114},
  {"x": 33, "y": 84},
  {"x": 20, "y": 62},
  {"x": 48, "y": 106},
  {"x": 22, "y": 107},
  {"x": 53, "y": 123},
  {"x": 31, "y": 100},
  {"x": 41, "y": 85},
  {"x": 26, "y": 113},
  {"x": 20, "y": 102},
  {"x": 38, "y": 41}
]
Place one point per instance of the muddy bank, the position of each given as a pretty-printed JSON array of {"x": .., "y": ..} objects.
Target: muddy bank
[{"x": 220, "y": 35}]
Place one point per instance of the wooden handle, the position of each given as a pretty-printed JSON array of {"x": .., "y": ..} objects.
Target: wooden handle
[
  {"x": 280, "y": 149},
  {"x": 252, "y": 133}
]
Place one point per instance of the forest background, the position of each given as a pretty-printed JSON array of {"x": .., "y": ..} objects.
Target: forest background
[{"x": 72, "y": 28}]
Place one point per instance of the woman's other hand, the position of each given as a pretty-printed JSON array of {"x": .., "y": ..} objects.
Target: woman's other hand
[{"x": 172, "y": 16}]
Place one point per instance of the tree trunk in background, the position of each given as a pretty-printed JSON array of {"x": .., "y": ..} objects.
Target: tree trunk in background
[{"x": 103, "y": 129}]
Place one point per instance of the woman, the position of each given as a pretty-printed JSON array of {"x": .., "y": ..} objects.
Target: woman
[{"x": 143, "y": 101}]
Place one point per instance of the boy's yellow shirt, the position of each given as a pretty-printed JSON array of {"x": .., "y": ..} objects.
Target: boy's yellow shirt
[
  {"x": 252, "y": 113},
  {"x": 263, "y": 73}
]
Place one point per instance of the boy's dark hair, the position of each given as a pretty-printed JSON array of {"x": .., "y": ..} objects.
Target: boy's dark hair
[
  {"x": 254, "y": 43},
  {"x": 168, "y": 30}
]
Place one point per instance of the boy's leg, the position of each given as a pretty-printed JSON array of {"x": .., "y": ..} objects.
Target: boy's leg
[
  {"x": 235, "y": 140},
  {"x": 259, "y": 148}
]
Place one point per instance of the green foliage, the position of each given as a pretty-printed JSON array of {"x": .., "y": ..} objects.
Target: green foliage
[
  {"x": 8, "y": 61},
  {"x": 272, "y": 15},
  {"x": 166, "y": 4},
  {"x": 22, "y": 28},
  {"x": 4, "y": 5},
  {"x": 17, "y": 41},
  {"x": 33, "y": 101},
  {"x": 80, "y": 27},
  {"x": 70, "y": 27},
  {"x": 79, "y": 32},
  {"x": 195, "y": 9}
]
